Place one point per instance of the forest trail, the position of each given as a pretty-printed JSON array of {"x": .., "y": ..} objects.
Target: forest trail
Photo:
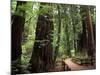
[{"x": 73, "y": 66}]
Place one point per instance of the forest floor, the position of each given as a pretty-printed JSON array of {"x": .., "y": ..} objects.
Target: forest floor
[
  {"x": 68, "y": 66},
  {"x": 72, "y": 66}
]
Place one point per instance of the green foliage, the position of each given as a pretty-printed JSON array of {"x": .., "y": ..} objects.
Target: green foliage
[
  {"x": 70, "y": 19},
  {"x": 44, "y": 9},
  {"x": 13, "y": 6},
  {"x": 73, "y": 53},
  {"x": 29, "y": 32},
  {"x": 25, "y": 60}
]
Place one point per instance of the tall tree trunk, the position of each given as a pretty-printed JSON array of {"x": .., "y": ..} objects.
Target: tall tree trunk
[
  {"x": 42, "y": 55},
  {"x": 67, "y": 42},
  {"x": 59, "y": 31},
  {"x": 90, "y": 32},
  {"x": 75, "y": 24},
  {"x": 16, "y": 34},
  {"x": 74, "y": 31},
  {"x": 87, "y": 36},
  {"x": 84, "y": 36}
]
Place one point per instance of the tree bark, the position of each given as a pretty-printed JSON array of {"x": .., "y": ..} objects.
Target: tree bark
[
  {"x": 90, "y": 32},
  {"x": 42, "y": 58},
  {"x": 16, "y": 35},
  {"x": 88, "y": 35}
]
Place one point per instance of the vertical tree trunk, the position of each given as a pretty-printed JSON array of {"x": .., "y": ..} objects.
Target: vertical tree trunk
[
  {"x": 59, "y": 31},
  {"x": 42, "y": 58},
  {"x": 16, "y": 34},
  {"x": 67, "y": 42},
  {"x": 87, "y": 36},
  {"x": 74, "y": 11},
  {"x": 74, "y": 31},
  {"x": 84, "y": 36},
  {"x": 90, "y": 32}
]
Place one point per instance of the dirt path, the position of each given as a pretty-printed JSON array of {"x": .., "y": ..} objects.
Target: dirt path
[{"x": 73, "y": 66}]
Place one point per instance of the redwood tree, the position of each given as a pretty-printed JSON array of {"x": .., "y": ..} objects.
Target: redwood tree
[
  {"x": 87, "y": 38},
  {"x": 42, "y": 58},
  {"x": 91, "y": 49},
  {"x": 17, "y": 26}
]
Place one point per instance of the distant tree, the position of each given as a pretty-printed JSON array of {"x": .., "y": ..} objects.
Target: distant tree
[
  {"x": 67, "y": 24},
  {"x": 59, "y": 32}
]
